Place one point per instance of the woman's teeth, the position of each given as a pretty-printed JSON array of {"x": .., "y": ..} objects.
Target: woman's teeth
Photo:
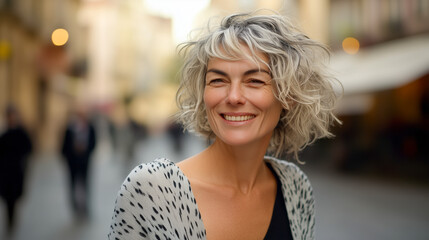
[{"x": 238, "y": 118}]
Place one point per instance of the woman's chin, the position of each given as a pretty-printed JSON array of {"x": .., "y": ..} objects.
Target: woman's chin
[{"x": 239, "y": 141}]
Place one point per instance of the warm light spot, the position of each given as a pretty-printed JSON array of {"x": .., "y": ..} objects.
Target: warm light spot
[
  {"x": 60, "y": 37},
  {"x": 351, "y": 45},
  {"x": 5, "y": 50}
]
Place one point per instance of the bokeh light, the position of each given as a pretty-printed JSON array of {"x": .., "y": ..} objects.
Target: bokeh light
[
  {"x": 5, "y": 50},
  {"x": 351, "y": 45},
  {"x": 60, "y": 37}
]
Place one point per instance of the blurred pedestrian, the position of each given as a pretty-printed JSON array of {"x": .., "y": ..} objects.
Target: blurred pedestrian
[
  {"x": 78, "y": 146},
  {"x": 15, "y": 148},
  {"x": 175, "y": 131}
]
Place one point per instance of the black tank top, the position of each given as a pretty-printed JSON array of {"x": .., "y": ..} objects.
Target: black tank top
[{"x": 279, "y": 226}]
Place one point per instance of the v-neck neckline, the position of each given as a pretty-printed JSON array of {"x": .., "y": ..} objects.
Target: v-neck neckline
[{"x": 267, "y": 160}]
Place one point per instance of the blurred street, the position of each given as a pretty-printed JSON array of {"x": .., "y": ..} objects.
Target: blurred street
[{"x": 347, "y": 206}]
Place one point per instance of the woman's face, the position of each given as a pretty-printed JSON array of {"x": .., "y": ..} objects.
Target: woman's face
[{"x": 239, "y": 99}]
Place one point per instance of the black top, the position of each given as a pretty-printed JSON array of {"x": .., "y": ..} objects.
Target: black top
[{"x": 279, "y": 226}]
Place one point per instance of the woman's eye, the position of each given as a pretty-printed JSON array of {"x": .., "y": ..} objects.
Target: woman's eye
[
  {"x": 256, "y": 82},
  {"x": 216, "y": 81}
]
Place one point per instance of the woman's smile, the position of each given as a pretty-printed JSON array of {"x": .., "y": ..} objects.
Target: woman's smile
[{"x": 237, "y": 117}]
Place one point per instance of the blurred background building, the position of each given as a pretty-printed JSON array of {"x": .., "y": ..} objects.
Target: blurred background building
[
  {"x": 117, "y": 53},
  {"x": 119, "y": 58}
]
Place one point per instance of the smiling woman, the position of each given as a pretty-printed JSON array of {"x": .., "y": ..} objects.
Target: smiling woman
[
  {"x": 256, "y": 86},
  {"x": 300, "y": 78}
]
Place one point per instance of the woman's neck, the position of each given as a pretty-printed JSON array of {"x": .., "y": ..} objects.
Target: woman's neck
[{"x": 237, "y": 167}]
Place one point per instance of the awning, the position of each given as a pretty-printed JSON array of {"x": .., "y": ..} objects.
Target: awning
[{"x": 384, "y": 66}]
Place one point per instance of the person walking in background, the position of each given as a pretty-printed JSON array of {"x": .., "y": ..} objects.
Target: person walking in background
[
  {"x": 78, "y": 146},
  {"x": 15, "y": 148},
  {"x": 176, "y": 133},
  {"x": 258, "y": 88}
]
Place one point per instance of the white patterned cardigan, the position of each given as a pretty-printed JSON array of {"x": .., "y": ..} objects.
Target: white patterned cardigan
[{"x": 156, "y": 202}]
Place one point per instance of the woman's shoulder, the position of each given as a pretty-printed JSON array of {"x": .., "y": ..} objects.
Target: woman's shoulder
[
  {"x": 298, "y": 196},
  {"x": 284, "y": 165},
  {"x": 289, "y": 172},
  {"x": 155, "y": 200},
  {"x": 157, "y": 173},
  {"x": 153, "y": 168}
]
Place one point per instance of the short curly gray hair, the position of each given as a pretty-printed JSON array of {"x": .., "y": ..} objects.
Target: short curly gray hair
[{"x": 301, "y": 81}]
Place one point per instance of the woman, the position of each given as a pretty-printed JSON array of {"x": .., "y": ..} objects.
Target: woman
[{"x": 254, "y": 85}]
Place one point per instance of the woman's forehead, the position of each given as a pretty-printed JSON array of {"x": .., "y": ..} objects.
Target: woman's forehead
[
  {"x": 227, "y": 53},
  {"x": 240, "y": 51},
  {"x": 244, "y": 62}
]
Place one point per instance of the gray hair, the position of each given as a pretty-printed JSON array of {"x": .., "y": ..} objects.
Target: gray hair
[{"x": 301, "y": 81}]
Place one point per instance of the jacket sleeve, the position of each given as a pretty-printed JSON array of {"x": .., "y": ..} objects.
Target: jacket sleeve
[
  {"x": 298, "y": 195},
  {"x": 129, "y": 221},
  {"x": 304, "y": 205},
  {"x": 156, "y": 202},
  {"x": 309, "y": 216}
]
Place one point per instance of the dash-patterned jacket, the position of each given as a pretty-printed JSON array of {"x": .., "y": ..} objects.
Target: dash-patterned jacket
[{"x": 156, "y": 202}]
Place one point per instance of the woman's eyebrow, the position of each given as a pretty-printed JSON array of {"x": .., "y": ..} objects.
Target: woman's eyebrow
[
  {"x": 217, "y": 72},
  {"x": 248, "y": 72},
  {"x": 251, "y": 71}
]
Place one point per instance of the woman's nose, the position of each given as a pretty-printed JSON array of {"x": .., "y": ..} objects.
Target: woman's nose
[{"x": 235, "y": 94}]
